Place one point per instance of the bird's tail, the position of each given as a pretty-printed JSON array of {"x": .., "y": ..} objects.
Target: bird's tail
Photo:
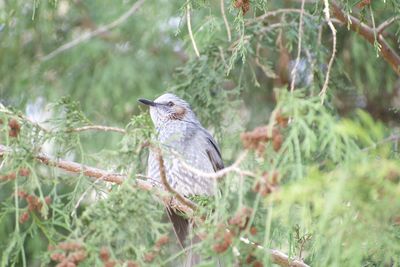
[{"x": 182, "y": 227}]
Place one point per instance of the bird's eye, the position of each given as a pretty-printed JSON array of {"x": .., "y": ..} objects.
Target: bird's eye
[{"x": 170, "y": 104}]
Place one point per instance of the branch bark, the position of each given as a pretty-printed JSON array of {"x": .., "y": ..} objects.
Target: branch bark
[{"x": 368, "y": 33}]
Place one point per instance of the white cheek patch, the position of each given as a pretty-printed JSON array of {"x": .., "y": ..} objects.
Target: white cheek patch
[{"x": 158, "y": 116}]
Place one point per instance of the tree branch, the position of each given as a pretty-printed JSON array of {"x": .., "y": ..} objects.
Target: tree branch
[
  {"x": 277, "y": 256},
  {"x": 221, "y": 173},
  {"x": 99, "y": 128},
  {"x": 386, "y": 24},
  {"x": 93, "y": 172},
  {"x": 368, "y": 33},
  {"x": 85, "y": 37}
]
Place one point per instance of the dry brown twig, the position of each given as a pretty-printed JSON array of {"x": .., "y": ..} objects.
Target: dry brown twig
[{"x": 102, "y": 29}]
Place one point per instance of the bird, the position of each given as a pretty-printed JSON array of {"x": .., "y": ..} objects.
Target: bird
[{"x": 182, "y": 138}]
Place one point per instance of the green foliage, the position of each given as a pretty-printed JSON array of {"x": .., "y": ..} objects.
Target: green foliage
[
  {"x": 326, "y": 192},
  {"x": 204, "y": 83},
  {"x": 125, "y": 222}
]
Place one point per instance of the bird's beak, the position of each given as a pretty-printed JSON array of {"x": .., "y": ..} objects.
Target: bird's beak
[{"x": 147, "y": 102}]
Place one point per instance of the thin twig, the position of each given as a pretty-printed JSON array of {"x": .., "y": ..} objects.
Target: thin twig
[
  {"x": 300, "y": 34},
  {"x": 166, "y": 184},
  {"x": 102, "y": 29},
  {"x": 266, "y": 70},
  {"x": 189, "y": 26},
  {"x": 319, "y": 39},
  {"x": 391, "y": 138},
  {"x": 373, "y": 27},
  {"x": 228, "y": 29},
  {"x": 386, "y": 24},
  {"x": 285, "y": 11},
  {"x": 221, "y": 173},
  {"x": 79, "y": 129},
  {"x": 274, "y": 26},
  {"x": 82, "y": 197},
  {"x": 221, "y": 52},
  {"x": 278, "y": 12},
  {"x": 322, "y": 94},
  {"x": 99, "y": 128},
  {"x": 277, "y": 256}
]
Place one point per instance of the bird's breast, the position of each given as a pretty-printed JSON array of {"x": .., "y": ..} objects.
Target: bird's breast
[{"x": 181, "y": 148}]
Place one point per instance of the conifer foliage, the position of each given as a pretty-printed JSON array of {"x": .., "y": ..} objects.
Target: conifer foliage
[{"x": 302, "y": 96}]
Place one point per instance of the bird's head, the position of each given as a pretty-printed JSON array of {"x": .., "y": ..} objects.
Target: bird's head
[{"x": 168, "y": 107}]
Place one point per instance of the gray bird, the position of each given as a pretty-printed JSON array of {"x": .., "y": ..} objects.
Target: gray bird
[{"x": 182, "y": 138}]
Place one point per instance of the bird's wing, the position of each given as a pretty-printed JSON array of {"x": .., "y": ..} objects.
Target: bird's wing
[{"x": 213, "y": 152}]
